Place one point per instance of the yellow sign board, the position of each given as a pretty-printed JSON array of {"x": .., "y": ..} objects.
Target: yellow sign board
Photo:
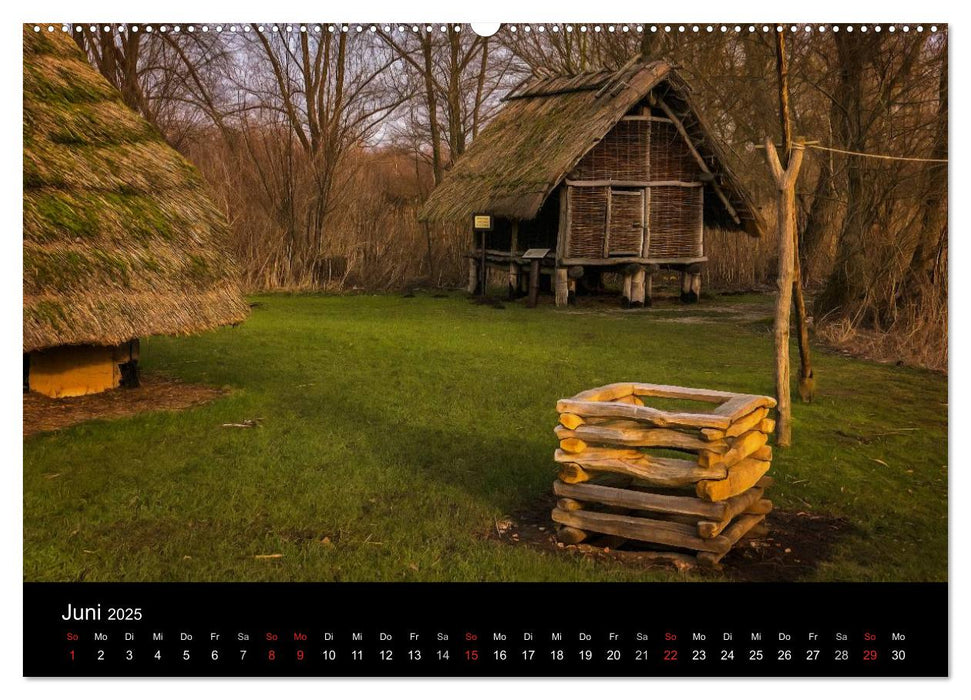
[{"x": 482, "y": 222}]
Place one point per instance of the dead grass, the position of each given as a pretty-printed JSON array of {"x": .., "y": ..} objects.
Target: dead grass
[
  {"x": 927, "y": 350},
  {"x": 156, "y": 393}
]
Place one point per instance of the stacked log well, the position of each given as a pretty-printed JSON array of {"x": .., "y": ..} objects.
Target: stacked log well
[{"x": 685, "y": 481}]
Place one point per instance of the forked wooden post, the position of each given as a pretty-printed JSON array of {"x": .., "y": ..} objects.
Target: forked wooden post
[{"x": 785, "y": 181}]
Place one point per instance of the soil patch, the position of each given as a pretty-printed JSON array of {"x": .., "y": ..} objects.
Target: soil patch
[
  {"x": 156, "y": 393},
  {"x": 796, "y": 544}
]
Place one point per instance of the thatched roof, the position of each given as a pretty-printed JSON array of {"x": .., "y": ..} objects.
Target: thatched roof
[
  {"x": 120, "y": 238},
  {"x": 549, "y": 123}
]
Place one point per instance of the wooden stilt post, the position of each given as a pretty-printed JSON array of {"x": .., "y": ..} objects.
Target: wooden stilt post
[
  {"x": 637, "y": 287},
  {"x": 562, "y": 288},
  {"x": 473, "y": 275},
  {"x": 483, "y": 271},
  {"x": 785, "y": 181},
  {"x": 513, "y": 264},
  {"x": 649, "y": 284},
  {"x": 533, "y": 283},
  {"x": 628, "y": 289},
  {"x": 696, "y": 285},
  {"x": 685, "y": 286}
]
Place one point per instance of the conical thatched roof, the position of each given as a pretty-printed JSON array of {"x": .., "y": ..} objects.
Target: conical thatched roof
[
  {"x": 550, "y": 122},
  {"x": 120, "y": 238}
]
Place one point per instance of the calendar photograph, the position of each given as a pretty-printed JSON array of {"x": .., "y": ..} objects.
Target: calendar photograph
[{"x": 498, "y": 304}]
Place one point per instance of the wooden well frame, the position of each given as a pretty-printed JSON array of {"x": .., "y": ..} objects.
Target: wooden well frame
[{"x": 617, "y": 476}]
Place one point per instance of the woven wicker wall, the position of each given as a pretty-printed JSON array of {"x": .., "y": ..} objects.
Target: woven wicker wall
[
  {"x": 588, "y": 221},
  {"x": 670, "y": 157},
  {"x": 611, "y": 219},
  {"x": 676, "y": 222},
  {"x": 621, "y": 155}
]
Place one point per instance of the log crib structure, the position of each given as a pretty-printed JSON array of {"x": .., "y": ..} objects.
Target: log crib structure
[
  {"x": 676, "y": 480},
  {"x": 606, "y": 171}
]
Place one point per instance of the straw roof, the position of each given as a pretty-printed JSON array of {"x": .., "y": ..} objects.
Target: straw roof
[
  {"x": 550, "y": 122},
  {"x": 120, "y": 238}
]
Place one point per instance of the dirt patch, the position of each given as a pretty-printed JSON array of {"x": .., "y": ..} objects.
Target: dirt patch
[
  {"x": 156, "y": 393},
  {"x": 796, "y": 544}
]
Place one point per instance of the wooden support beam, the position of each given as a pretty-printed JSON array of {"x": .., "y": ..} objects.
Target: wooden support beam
[
  {"x": 630, "y": 434},
  {"x": 641, "y": 529},
  {"x": 702, "y": 163},
  {"x": 641, "y": 500},
  {"x": 658, "y": 471},
  {"x": 561, "y": 286}
]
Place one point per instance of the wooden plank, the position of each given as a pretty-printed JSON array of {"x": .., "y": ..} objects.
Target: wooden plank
[
  {"x": 619, "y": 433},
  {"x": 767, "y": 426},
  {"x": 764, "y": 453},
  {"x": 761, "y": 507},
  {"x": 640, "y": 500},
  {"x": 743, "y": 404},
  {"x": 733, "y": 506},
  {"x": 662, "y": 419},
  {"x": 746, "y": 423},
  {"x": 607, "y": 392},
  {"x": 617, "y": 261},
  {"x": 670, "y": 391},
  {"x": 742, "y": 447},
  {"x": 659, "y": 471},
  {"x": 641, "y": 529},
  {"x": 741, "y": 477},
  {"x": 568, "y": 503},
  {"x": 633, "y": 183}
]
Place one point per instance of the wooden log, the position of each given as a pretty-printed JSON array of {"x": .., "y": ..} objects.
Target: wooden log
[
  {"x": 473, "y": 284},
  {"x": 747, "y": 423},
  {"x": 570, "y": 535},
  {"x": 695, "y": 285},
  {"x": 570, "y": 421},
  {"x": 637, "y": 287},
  {"x": 632, "y": 400},
  {"x": 573, "y": 445},
  {"x": 670, "y": 391},
  {"x": 625, "y": 295},
  {"x": 533, "y": 284},
  {"x": 765, "y": 482},
  {"x": 646, "y": 414},
  {"x": 733, "y": 506},
  {"x": 572, "y": 474},
  {"x": 743, "y": 404},
  {"x": 767, "y": 426},
  {"x": 561, "y": 286},
  {"x": 741, "y": 477},
  {"x": 636, "y": 435},
  {"x": 731, "y": 536},
  {"x": 764, "y": 453},
  {"x": 641, "y": 529},
  {"x": 763, "y": 506},
  {"x": 742, "y": 447},
  {"x": 607, "y": 392},
  {"x": 640, "y": 500},
  {"x": 569, "y": 504},
  {"x": 760, "y": 530},
  {"x": 659, "y": 471}
]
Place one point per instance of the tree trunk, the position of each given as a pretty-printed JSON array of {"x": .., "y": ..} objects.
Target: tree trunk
[{"x": 785, "y": 181}]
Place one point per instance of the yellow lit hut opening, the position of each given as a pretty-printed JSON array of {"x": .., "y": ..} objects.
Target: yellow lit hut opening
[
  {"x": 120, "y": 239},
  {"x": 604, "y": 171}
]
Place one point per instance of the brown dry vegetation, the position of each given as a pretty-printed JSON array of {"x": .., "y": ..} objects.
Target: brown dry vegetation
[{"x": 323, "y": 192}]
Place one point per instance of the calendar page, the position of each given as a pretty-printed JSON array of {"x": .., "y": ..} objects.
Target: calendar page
[{"x": 421, "y": 349}]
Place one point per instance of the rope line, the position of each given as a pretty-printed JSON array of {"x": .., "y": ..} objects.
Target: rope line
[{"x": 876, "y": 155}]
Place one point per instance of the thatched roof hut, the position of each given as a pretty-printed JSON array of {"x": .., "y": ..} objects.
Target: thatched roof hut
[
  {"x": 120, "y": 238},
  {"x": 606, "y": 169}
]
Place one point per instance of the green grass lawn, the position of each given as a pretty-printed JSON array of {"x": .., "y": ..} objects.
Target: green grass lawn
[{"x": 400, "y": 429}]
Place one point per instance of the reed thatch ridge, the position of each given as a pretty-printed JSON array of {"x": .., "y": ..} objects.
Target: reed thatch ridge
[
  {"x": 550, "y": 122},
  {"x": 120, "y": 238}
]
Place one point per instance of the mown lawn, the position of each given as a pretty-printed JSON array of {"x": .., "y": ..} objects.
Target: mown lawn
[{"x": 395, "y": 431}]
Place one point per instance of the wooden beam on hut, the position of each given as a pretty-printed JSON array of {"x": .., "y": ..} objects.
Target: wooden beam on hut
[{"x": 702, "y": 163}]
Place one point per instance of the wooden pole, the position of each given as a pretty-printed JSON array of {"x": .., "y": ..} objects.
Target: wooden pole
[
  {"x": 483, "y": 272},
  {"x": 533, "y": 283},
  {"x": 785, "y": 181},
  {"x": 807, "y": 379},
  {"x": 513, "y": 265}
]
